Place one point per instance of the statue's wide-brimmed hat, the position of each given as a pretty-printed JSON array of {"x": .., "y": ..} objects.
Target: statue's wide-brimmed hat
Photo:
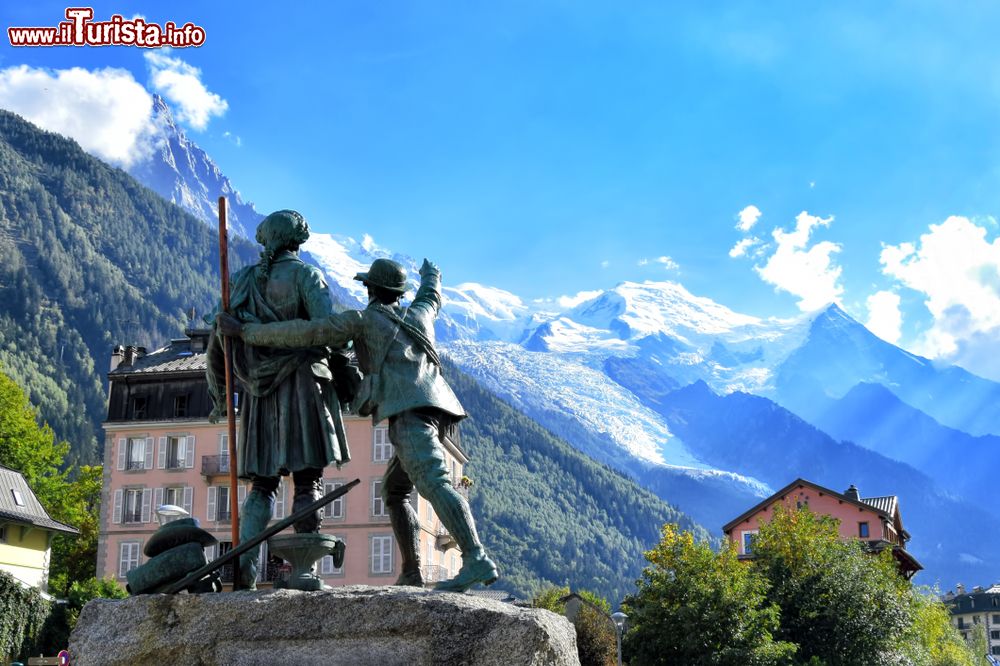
[{"x": 385, "y": 273}]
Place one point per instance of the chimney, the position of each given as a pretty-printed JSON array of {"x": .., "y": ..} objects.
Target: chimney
[
  {"x": 117, "y": 355},
  {"x": 132, "y": 354},
  {"x": 960, "y": 588},
  {"x": 853, "y": 493}
]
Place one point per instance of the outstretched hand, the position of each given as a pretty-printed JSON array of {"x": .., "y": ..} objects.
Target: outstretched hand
[
  {"x": 427, "y": 267},
  {"x": 229, "y": 325}
]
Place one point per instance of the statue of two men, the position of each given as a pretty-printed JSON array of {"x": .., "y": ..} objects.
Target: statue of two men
[{"x": 402, "y": 383}]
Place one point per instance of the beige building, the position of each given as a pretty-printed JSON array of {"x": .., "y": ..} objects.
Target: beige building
[
  {"x": 975, "y": 609},
  {"x": 26, "y": 531},
  {"x": 160, "y": 449}
]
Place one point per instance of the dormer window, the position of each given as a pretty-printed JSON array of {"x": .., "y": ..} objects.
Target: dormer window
[
  {"x": 139, "y": 404},
  {"x": 180, "y": 406},
  {"x": 18, "y": 498}
]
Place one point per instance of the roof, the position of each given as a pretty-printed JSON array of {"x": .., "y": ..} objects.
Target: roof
[
  {"x": 498, "y": 595},
  {"x": 886, "y": 505},
  {"x": 32, "y": 513},
  {"x": 175, "y": 357},
  {"x": 878, "y": 504}
]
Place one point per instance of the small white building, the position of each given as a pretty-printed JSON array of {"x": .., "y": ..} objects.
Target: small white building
[{"x": 972, "y": 609}]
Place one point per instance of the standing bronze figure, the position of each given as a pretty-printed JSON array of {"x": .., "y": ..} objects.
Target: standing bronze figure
[
  {"x": 403, "y": 383},
  {"x": 290, "y": 419}
]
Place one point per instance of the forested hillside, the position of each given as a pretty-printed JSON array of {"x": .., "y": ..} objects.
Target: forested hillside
[
  {"x": 88, "y": 258},
  {"x": 549, "y": 514}
]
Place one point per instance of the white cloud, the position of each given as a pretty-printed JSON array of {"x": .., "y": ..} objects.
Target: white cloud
[
  {"x": 181, "y": 83},
  {"x": 643, "y": 262},
  {"x": 747, "y": 217},
  {"x": 106, "y": 111},
  {"x": 667, "y": 263},
  {"x": 885, "y": 319},
  {"x": 742, "y": 246},
  {"x": 234, "y": 138},
  {"x": 605, "y": 263},
  {"x": 957, "y": 269},
  {"x": 580, "y": 297},
  {"x": 808, "y": 272}
]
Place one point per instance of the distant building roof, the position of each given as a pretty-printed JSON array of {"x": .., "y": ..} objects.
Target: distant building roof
[
  {"x": 19, "y": 505},
  {"x": 498, "y": 595},
  {"x": 886, "y": 505},
  {"x": 179, "y": 356}
]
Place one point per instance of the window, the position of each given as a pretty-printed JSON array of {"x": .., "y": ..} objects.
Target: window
[
  {"x": 133, "y": 506},
  {"x": 378, "y": 504},
  {"x": 381, "y": 560},
  {"x": 995, "y": 635},
  {"x": 180, "y": 406},
  {"x": 175, "y": 452},
  {"x": 863, "y": 530},
  {"x": 961, "y": 623},
  {"x": 128, "y": 557},
  {"x": 975, "y": 619},
  {"x": 334, "y": 509},
  {"x": 382, "y": 450},
  {"x": 18, "y": 498},
  {"x": 139, "y": 404},
  {"x": 223, "y": 512},
  {"x": 748, "y": 537},
  {"x": 3, "y": 534},
  {"x": 135, "y": 458},
  {"x": 995, "y": 649}
]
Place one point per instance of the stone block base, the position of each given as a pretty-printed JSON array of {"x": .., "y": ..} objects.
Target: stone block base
[{"x": 354, "y": 625}]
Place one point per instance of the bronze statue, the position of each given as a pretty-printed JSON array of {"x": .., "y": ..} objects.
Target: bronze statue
[
  {"x": 403, "y": 383},
  {"x": 291, "y": 419}
]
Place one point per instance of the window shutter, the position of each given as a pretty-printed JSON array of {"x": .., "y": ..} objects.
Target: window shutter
[
  {"x": 210, "y": 552},
  {"x": 279, "y": 501},
  {"x": 149, "y": 453},
  {"x": 122, "y": 446},
  {"x": 189, "y": 452},
  {"x": 212, "y": 490},
  {"x": 157, "y": 498},
  {"x": 161, "y": 454},
  {"x": 147, "y": 496},
  {"x": 223, "y": 444},
  {"x": 117, "y": 515},
  {"x": 188, "y": 498}
]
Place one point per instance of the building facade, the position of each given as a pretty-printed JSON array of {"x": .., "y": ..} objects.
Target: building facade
[
  {"x": 874, "y": 520},
  {"x": 26, "y": 531},
  {"x": 978, "y": 608},
  {"x": 160, "y": 449}
]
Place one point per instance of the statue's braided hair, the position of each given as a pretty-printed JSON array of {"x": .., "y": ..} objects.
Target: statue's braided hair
[{"x": 281, "y": 230}]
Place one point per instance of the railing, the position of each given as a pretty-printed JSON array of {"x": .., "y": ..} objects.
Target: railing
[
  {"x": 131, "y": 517},
  {"x": 135, "y": 464},
  {"x": 223, "y": 515},
  {"x": 433, "y": 573},
  {"x": 211, "y": 465}
]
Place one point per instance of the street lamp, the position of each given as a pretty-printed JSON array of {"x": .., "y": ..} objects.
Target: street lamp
[
  {"x": 619, "y": 619},
  {"x": 170, "y": 512}
]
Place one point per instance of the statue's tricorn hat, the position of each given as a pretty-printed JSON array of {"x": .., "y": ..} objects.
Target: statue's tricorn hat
[{"x": 385, "y": 273}]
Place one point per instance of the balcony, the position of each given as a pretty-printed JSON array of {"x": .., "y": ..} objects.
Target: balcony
[
  {"x": 444, "y": 539},
  {"x": 223, "y": 515},
  {"x": 433, "y": 573},
  {"x": 214, "y": 465},
  {"x": 135, "y": 464},
  {"x": 272, "y": 572}
]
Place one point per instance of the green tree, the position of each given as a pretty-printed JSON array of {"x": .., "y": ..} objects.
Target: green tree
[
  {"x": 74, "y": 557},
  {"x": 695, "y": 606},
  {"x": 596, "y": 639},
  {"x": 839, "y": 603},
  {"x": 932, "y": 640}
]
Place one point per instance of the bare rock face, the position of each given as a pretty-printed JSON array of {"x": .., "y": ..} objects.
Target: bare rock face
[{"x": 349, "y": 625}]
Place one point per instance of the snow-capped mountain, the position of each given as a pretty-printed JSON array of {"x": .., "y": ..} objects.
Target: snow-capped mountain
[{"x": 181, "y": 172}]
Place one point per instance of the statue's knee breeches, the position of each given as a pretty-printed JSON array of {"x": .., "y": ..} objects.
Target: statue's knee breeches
[{"x": 421, "y": 456}]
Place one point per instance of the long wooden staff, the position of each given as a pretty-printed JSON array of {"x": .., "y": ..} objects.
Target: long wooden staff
[{"x": 227, "y": 349}]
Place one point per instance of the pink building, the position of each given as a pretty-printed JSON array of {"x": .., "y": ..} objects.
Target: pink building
[
  {"x": 874, "y": 520},
  {"x": 161, "y": 449}
]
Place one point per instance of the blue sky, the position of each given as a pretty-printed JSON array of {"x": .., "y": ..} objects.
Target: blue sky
[{"x": 552, "y": 147}]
